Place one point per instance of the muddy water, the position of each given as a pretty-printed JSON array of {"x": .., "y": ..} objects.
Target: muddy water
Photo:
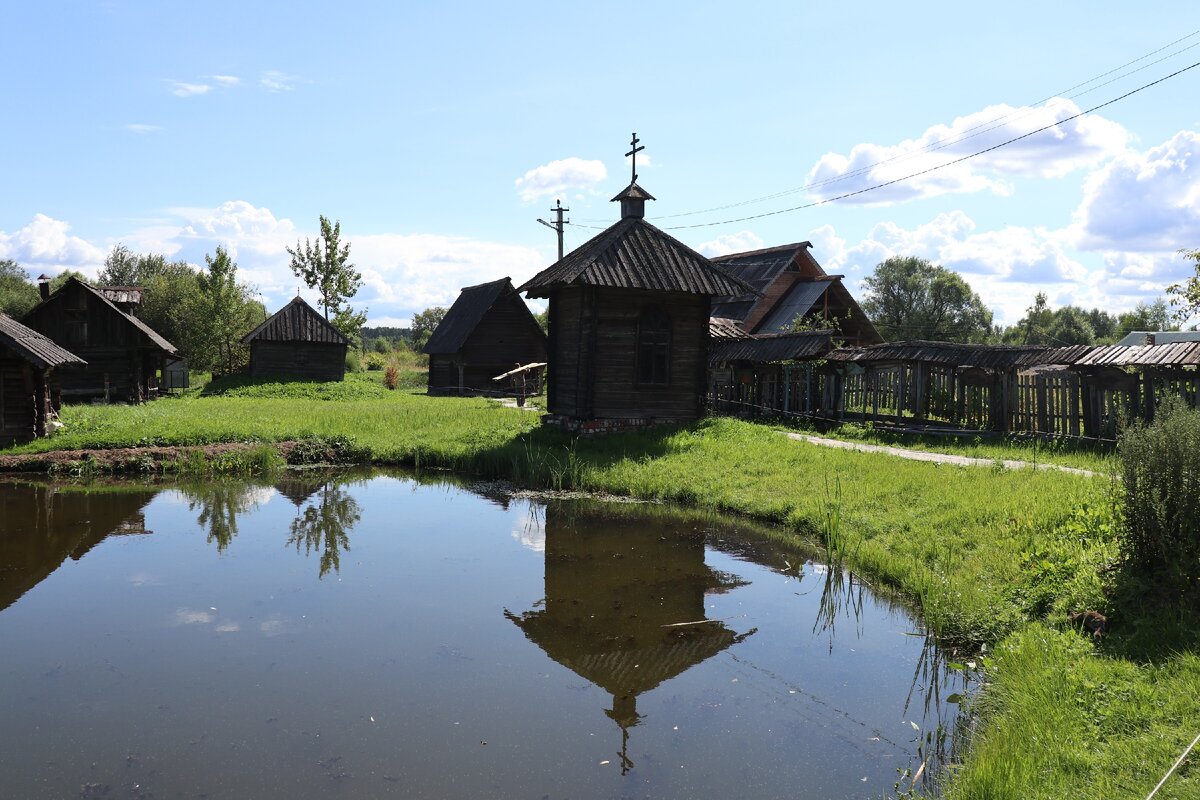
[{"x": 378, "y": 636}]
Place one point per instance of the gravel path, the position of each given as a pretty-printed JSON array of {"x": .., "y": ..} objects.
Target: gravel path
[{"x": 938, "y": 458}]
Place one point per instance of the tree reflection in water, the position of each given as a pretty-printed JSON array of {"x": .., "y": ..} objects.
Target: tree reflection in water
[
  {"x": 325, "y": 525},
  {"x": 220, "y": 504}
]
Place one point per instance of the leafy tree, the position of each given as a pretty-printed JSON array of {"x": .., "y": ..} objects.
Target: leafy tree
[
  {"x": 1104, "y": 324},
  {"x": 58, "y": 280},
  {"x": 324, "y": 527},
  {"x": 911, "y": 298},
  {"x": 169, "y": 287},
  {"x": 1145, "y": 317},
  {"x": 17, "y": 294},
  {"x": 325, "y": 266},
  {"x": 425, "y": 323},
  {"x": 1069, "y": 326},
  {"x": 1186, "y": 296},
  {"x": 224, "y": 310}
]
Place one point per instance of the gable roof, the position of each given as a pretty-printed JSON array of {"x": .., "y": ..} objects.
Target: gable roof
[
  {"x": 462, "y": 317},
  {"x": 633, "y": 254},
  {"x": 296, "y": 322},
  {"x": 33, "y": 346},
  {"x": 142, "y": 328},
  {"x": 796, "y": 303},
  {"x": 760, "y": 267}
]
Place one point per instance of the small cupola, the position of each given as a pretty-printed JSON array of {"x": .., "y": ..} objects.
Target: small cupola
[{"x": 633, "y": 198}]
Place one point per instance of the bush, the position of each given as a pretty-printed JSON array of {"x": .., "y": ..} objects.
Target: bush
[
  {"x": 353, "y": 360},
  {"x": 1160, "y": 462},
  {"x": 375, "y": 361},
  {"x": 391, "y": 376}
]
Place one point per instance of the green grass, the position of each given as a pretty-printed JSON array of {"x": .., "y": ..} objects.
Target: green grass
[{"x": 994, "y": 559}]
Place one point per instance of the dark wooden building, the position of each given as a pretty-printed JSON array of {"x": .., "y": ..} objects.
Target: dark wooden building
[
  {"x": 488, "y": 331},
  {"x": 789, "y": 283},
  {"x": 28, "y": 383},
  {"x": 297, "y": 342},
  {"x": 629, "y": 314},
  {"x": 124, "y": 355}
]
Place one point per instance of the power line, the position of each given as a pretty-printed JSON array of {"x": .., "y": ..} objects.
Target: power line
[
  {"x": 937, "y": 167},
  {"x": 973, "y": 131}
]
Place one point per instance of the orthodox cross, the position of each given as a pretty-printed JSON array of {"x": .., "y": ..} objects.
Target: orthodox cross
[{"x": 633, "y": 154}]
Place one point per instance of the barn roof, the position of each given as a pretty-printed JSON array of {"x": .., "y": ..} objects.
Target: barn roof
[
  {"x": 468, "y": 309},
  {"x": 772, "y": 348},
  {"x": 760, "y": 267},
  {"x": 296, "y": 322},
  {"x": 33, "y": 346},
  {"x": 98, "y": 292},
  {"x": 1174, "y": 354},
  {"x": 633, "y": 254}
]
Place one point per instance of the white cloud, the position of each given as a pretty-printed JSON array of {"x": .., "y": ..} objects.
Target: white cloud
[
  {"x": 181, "y": 89},
  {"x": 1144, "y": 202},
  {"x": 1051, "y": 153},
  {"x": 275, "y": 81},
  {"x": 136, "y": 127},
  {"x": 44, "y": 245},
  {"x": 226, "y": 80},
  {"x": 559, "y": 178},
  {"x": 1006, "y": 267},
  {"x": 738, "y": 242}
]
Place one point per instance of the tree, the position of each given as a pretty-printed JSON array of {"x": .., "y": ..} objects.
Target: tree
[
  {"x": 325, "y": 266},
  {"x": 169, "y": 287},
  {"x": 424, "y": 324},
  {"x": 224, "y": 310},
  {"x": 1070, "y": 326},
  {"x": 1186, "y": 296},
  {"x": 17, "y": 294},
  {"x": 1145, "y": 317},
  {"x": 910, "y": 298}
]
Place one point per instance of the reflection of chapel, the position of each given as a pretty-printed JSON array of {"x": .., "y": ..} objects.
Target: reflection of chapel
[
  {"x": 617, "y": 591},
  {"x": 628, "y": 323}
]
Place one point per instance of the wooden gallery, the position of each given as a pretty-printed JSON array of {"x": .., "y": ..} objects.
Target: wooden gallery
[{"x": 628, "y": 323}]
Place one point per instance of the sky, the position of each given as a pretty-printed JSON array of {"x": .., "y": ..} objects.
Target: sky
[{"x": 437, "y": 134}]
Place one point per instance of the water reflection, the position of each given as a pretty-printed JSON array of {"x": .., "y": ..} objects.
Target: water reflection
[
  {"x": 44, "y": 524},
  {"x": 624, "y": 605},
  {"x": 219, "y": 505},
  {"x": 324, "y": 525}
]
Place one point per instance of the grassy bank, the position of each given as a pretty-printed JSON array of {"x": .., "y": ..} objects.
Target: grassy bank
[{"x": 995, "y": 559}]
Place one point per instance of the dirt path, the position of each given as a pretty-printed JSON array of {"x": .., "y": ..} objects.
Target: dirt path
[{"x": 937, "y": 458}]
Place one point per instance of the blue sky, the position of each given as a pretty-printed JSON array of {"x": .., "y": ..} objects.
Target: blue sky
[{"x": 438, "y": 134}]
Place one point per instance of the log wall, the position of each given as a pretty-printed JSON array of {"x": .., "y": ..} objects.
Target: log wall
[{"x": 314, "y": 361}]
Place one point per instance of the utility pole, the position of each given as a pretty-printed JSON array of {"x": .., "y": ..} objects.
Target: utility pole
[{"x": 557, "y": 226}]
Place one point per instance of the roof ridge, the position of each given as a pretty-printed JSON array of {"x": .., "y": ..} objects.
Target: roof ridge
[{"x": 763, "y": 250}]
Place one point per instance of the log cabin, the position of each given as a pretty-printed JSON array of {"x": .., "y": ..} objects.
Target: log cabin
[
  {"x": 790, "y": 284},
  {"x": 298, "y": 343},
  {"x": 123, "y": 355},
  {"x": 488, "y": 331},
  {"x": 629, "y": 323},
  {"x": 28, "y": 381}
]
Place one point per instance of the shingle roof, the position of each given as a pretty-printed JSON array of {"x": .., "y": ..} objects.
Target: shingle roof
[
  {"x": 296, "y": 322},
  {"x": 468, "y": 309},
  {"x": 633, "y": 254},
  {"x": 772, "y": 348},
  {"x": 723, "y": 328},
  {"x": 1177, "y": 354},
  {"x": 988, "y": 356},
  {"x": 33, "y": 346}
]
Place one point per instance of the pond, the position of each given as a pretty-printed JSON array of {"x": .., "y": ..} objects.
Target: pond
[{"x": 374, "y": 635}]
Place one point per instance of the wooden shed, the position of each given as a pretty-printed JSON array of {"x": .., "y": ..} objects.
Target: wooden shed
[
  {"x": 124, "y": 355},
  {"x": 28, "y": 385},
  {"x": 488, "y": 331},
  {"x": 789, "y": 283},
  {"x": 297, "y": 342},
  {"x": 629, "y": 314}
]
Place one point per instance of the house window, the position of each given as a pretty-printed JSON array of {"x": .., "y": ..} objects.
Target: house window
[{"x": 653, "y": 347}]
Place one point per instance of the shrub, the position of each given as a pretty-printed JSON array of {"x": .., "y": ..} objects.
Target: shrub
[
  {"x": 1160, "y": 462},
  {"x": 391, "y": 376},
  {"x": 375, "y": 361},
  {"x": 353, "y": 360}
]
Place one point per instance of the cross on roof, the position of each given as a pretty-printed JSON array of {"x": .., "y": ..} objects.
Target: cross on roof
[{"x": 633, "y": 154}]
